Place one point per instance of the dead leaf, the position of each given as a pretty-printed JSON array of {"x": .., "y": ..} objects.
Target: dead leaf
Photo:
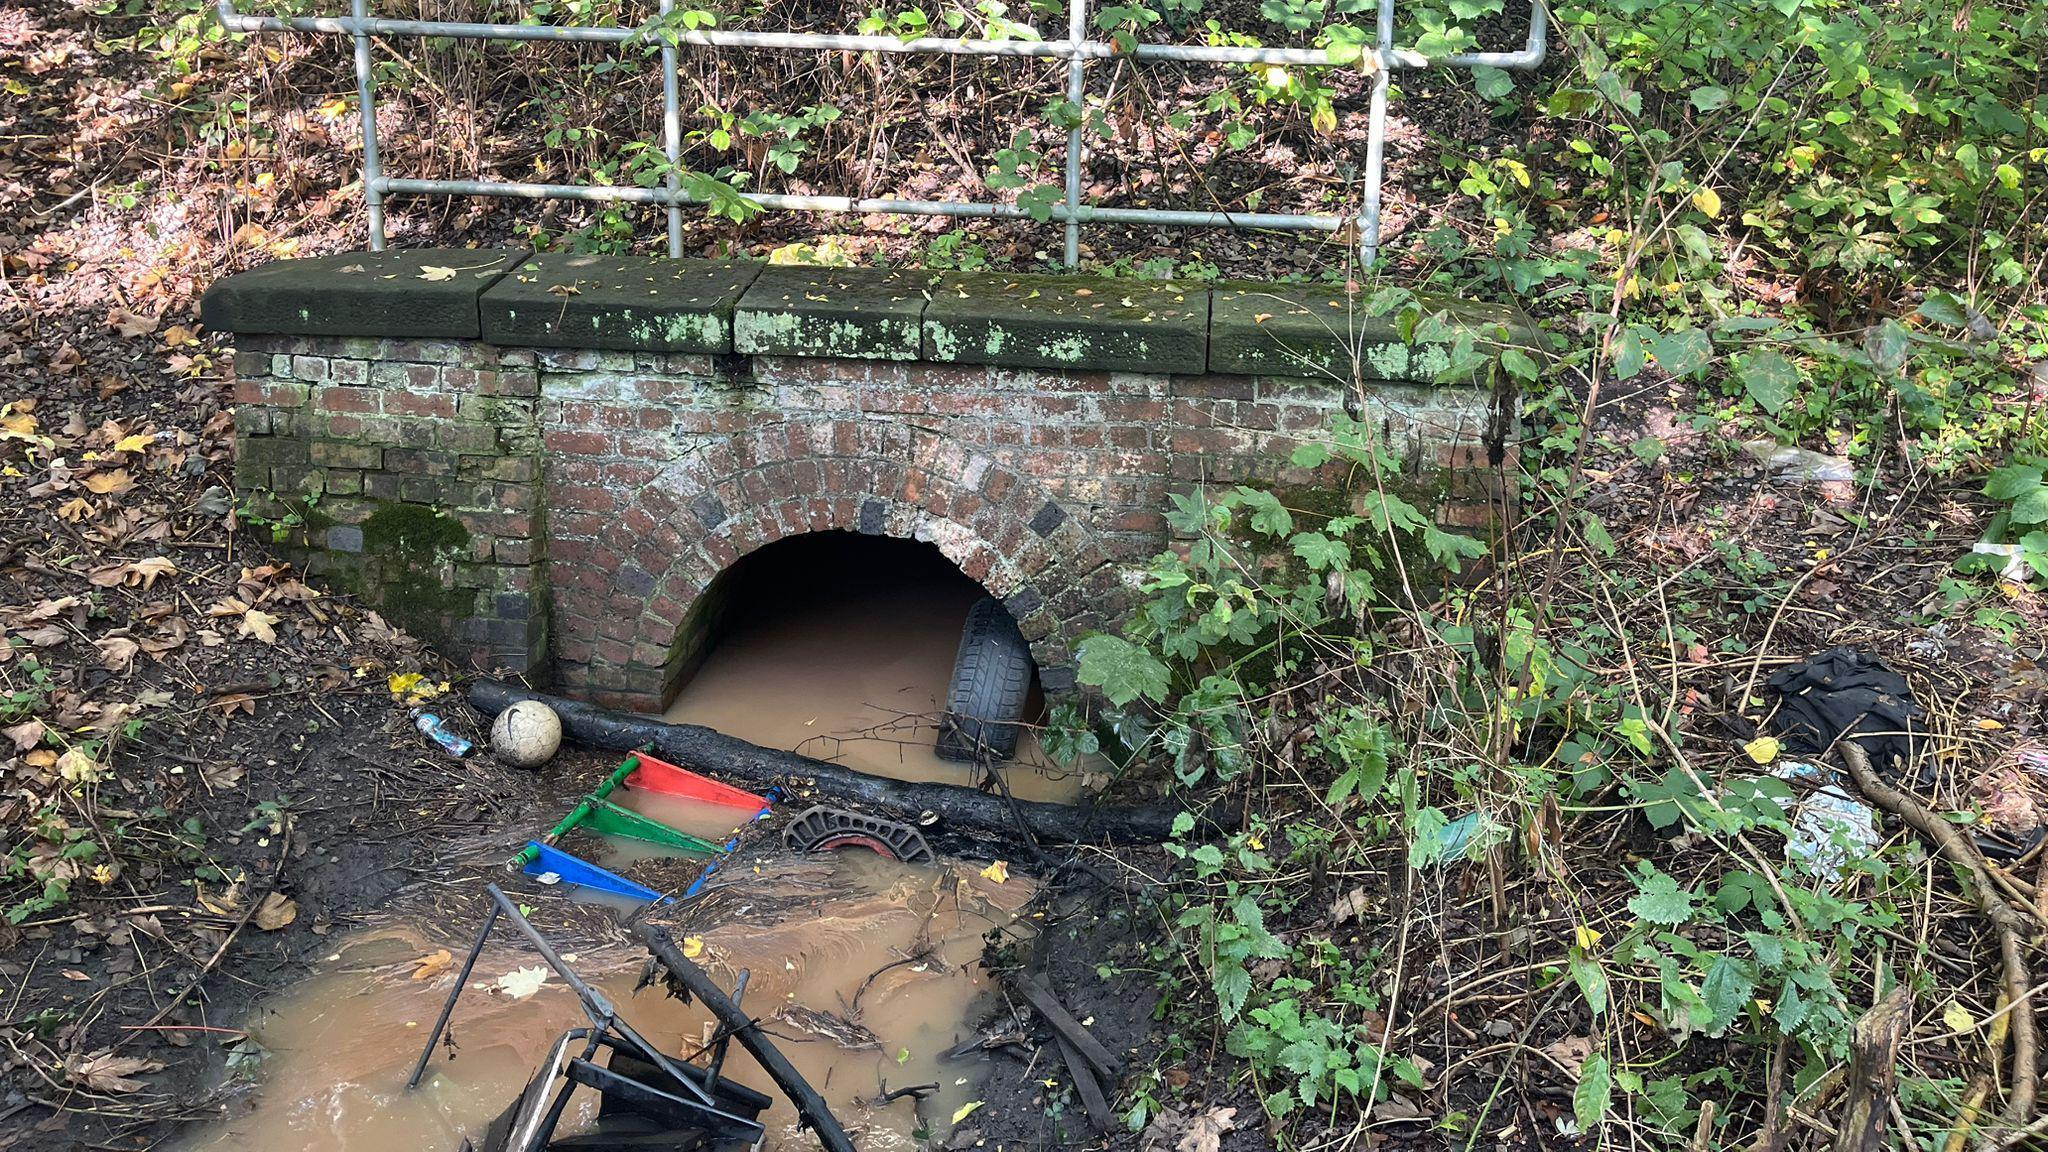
[
  {"x": 75, "y": 509},
  {"x": 1570, "y": 1053},
  {"x": 76, "y": 767},
  {"x": 522, "y": 982},
  {"x": 435, "y": 273},
  {"x": 105, "y": 1072},
  {"x": 276, "y": 911},
  {"x": 1350, "y": 906},
  {"x": 149, "y": 569},
  {"x": 25, "y": 735},
  {"x": 109, "y": 483},
  {"x": 1205, "y": 1132},
  {"x": 129, "y": 324},
  {"x": 433, "y": 964},
  {"x": 261, "y": 625},
  {"x": 117, "y": 653}
]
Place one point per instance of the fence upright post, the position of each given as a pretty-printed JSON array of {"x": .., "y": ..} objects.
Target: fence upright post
[
  {"x": 1376, "y": 140},
  {"x": 672, "y": 132},
  {"x": 1077, "y": 30},
  {"x": 366, "y": 96}
]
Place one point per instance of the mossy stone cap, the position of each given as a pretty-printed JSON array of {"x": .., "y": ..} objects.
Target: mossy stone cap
[
  {"x": 1318, "y": 330},
  {"x": 417, "y": 293},
  {"x": 1068, "y": 322},
  {"x": 642, "y": 303},
  {"x": 850, "y": 313}
]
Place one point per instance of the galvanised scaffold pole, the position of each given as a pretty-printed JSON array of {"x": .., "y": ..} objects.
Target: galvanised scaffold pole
[{"x": 1077, "y": 50}]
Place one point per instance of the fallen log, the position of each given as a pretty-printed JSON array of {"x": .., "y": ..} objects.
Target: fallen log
[{"x": 713, "y": 752}]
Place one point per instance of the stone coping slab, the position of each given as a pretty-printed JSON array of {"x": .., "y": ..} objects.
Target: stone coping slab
[
  {"x": 1068, "y": 322},
  {"x": 418, "y": 293},
  {"x": 850, "y": 313},
  {"x": 1318, "y": 330},
  {"x": 637, "y": 303}
]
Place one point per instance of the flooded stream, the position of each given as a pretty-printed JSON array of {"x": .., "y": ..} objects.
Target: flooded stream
[
  {"x": 841, "y": 647},
  {"x": 863, "y": 970}
]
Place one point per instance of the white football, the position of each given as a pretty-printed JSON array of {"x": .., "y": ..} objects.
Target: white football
[{"x": 526, "y": 735}]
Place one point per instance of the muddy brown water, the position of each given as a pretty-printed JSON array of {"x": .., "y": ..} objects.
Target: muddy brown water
[
  {"x": 841, "y": 647},
  {"x": 829, "y": 946}
]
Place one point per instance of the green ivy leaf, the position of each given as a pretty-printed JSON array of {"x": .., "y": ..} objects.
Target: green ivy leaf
[
  {"x": 1770, "y": 379},
  {"x": 1122, "y": 670},
  {"x": 1268, "y": 515},
  {"x": 1320, "y": 552}
]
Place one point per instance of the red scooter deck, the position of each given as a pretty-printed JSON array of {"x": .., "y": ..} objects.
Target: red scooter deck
[{"x": 661, "y": 776}]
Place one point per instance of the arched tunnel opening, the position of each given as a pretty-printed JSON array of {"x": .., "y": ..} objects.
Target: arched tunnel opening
[{"x": 843, "y": 646}]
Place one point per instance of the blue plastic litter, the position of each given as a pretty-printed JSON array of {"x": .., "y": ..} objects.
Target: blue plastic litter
[
  {"x": 583, "y": 874},
  {"x": 697, "y": 885}
]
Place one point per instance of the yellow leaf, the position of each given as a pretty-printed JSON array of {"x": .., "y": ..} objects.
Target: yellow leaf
[
  {"x": 436, "y": 273},
  {"x": 1958, "y": 1018},
  {"x": 965, "y": 1110},
  {"x": 693, "y": 947},
  {"x": 997, "y": 872},
  {"x": 1588, "y": 938},
  {"x": 136, "y": 443},
  {"x": 1763, "y": 749},
  {"x": 1707, "y": 200},
  {"x": 432, "y": 965},
  {"x": 1986, "y": 724},
  {"x": 19, "y": 423}
]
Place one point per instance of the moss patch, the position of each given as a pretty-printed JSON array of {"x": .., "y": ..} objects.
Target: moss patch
[
  {"x": 1068, "y": 322},
  {"x": 845, "y": 313}
]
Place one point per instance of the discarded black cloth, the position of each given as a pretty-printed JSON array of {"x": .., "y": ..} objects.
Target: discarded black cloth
[{"x": 1845, "y": 692}]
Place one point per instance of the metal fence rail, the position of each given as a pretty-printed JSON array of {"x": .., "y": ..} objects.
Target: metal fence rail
[{"x": 1078, "y": 49}]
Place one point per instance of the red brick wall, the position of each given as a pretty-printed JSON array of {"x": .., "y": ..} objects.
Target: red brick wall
[{"x": 654, "y": 473}]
